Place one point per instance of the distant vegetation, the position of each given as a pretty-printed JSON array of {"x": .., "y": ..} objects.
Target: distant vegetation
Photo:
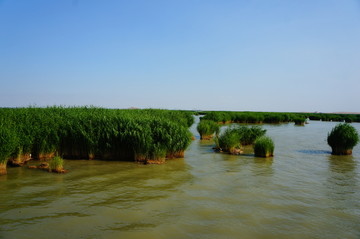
[
  {"x": 147, "y": 136},
  {"x": 342, "y": 139},
  {"x": 272, "y": 117},
  {"x": 246, "y": 117},
  {"x": 348, "y": 118}
]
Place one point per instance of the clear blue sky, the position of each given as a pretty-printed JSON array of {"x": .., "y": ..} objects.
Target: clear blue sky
[{"x": 269, "y": 55}]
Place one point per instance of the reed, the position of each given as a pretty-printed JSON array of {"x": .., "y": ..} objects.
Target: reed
[
  {"x": 236, "y": 136},
  {"x": 91, "y": 132},
  {"x": 342, "y": 138},
  {"x": 8, "y": 143},
  {"x": 334, "y": 117},
  {"x": 299, "y": 121},
  {"x": 247, "y": 117},
  {"x": 56, "y": 165},
  {"x": 264, "y": 147},
  {"x": 207, "y": 129},
  {"x": 248, "y": 135},
  {"x": 229, "y": 141},
  {"x": 274, "y": 117}
]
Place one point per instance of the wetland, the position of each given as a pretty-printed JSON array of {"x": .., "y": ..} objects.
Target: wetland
[{"x": 301, "y": 192}]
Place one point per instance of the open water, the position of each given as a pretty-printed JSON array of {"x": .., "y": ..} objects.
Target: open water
[{"x": 302, "y": 192}]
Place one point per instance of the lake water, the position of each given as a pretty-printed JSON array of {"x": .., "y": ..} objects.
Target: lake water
[{"x": 302, "y": 192}]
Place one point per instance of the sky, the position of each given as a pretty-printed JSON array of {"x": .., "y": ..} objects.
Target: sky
[{"x": 253, "y": 55}]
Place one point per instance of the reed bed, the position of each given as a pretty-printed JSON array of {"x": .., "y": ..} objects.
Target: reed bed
[{"x": 94, "y": 133}]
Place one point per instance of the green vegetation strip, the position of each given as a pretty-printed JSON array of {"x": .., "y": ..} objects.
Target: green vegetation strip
[
  {"x": 148, "y": 135},
  {"x": 272, "y": 117}
]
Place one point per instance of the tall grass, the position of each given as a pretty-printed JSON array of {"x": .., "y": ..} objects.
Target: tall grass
[
  {"x": 229, "y": 140},
  {"x": 90, "y": 132},
  {"x": 207, "y": 129},
  {"x": 342, "y": 139},
  {"x": 264, "y": 147},
  {"x": 8, "y": 144},
  {"x": 250, "y": 134}
]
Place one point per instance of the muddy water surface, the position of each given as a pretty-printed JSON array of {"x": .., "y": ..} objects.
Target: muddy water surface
[{"x": 303, "y": 192}]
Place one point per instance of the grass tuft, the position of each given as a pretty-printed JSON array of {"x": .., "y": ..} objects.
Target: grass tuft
[
  {"x": 342, "y": 139},
  {"x": 234, "y": 137},
  {"x": 56, "y": 165},
  {"x": 299, "y": 121},
  {"x": 207, "y": 128},
  {"x": 264, "y": 147}
]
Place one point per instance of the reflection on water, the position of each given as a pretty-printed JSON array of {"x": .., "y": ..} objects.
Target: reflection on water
[
  {"x": 263, "y": 166},
  {"x": 302, "y": 192},
  {"x": 94, "y": 196},
  {"x": 342, "y": 182},
  {"x": 343, "y": 191},
  {"x": 342, "y": 164},
  {"x": 304, "y": 151}
]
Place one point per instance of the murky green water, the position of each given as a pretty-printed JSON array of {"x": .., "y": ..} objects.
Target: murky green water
[{"x": 303, "y": 192}]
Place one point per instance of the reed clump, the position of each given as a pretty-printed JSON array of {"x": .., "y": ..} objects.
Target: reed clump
[
  {"x": 207, "y": 129},
  {"x": 300, "y": 121},
  {"x": 342, "y": 138},
  {"x": 250, "y": 134},
  {"x": 56, "y": 165},
  {"x": 233, "y": 138},
  {"x": 229, "y": 141},
  {"x": 264, "y": 147}
]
